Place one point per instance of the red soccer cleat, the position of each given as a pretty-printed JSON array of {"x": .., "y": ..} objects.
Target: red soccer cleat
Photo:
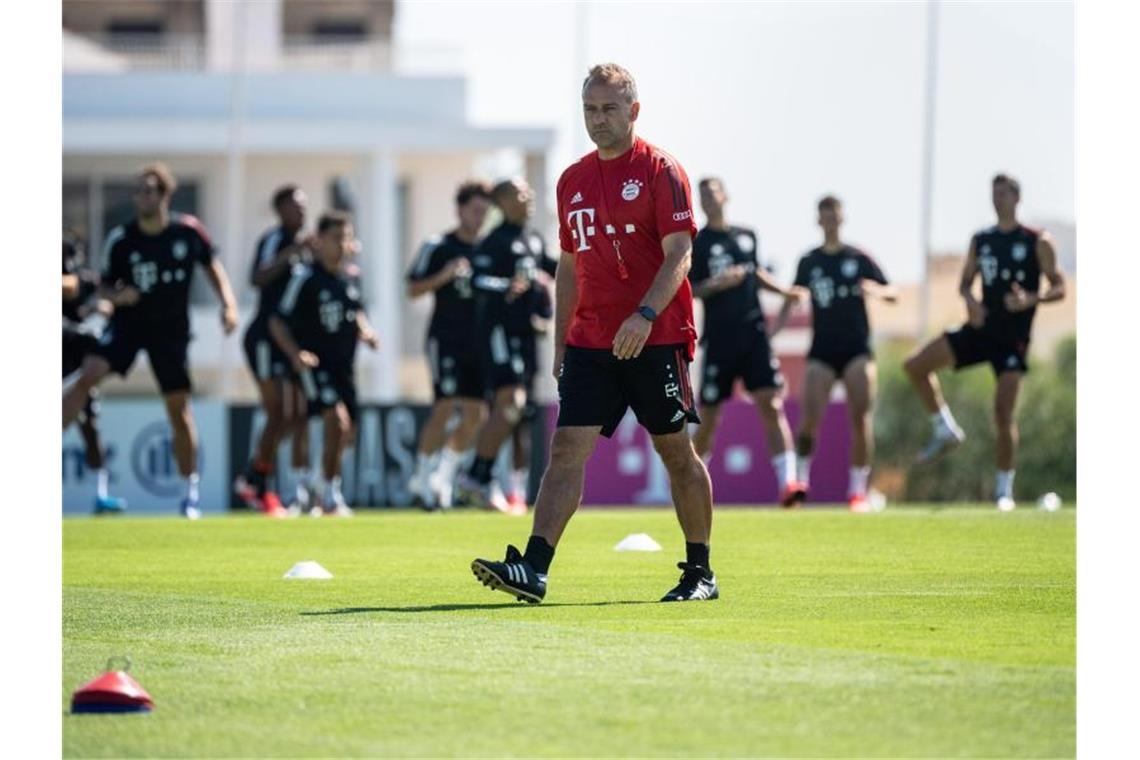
[
  {"x": 858, "y": 503},
  {"x": 271, "y": 506},
  {"x": 516, "y": 505},
  {"x": 795, "y": 493}
]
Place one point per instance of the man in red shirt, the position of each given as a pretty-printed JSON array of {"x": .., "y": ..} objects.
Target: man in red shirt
[{"x": 624, "y": 334}]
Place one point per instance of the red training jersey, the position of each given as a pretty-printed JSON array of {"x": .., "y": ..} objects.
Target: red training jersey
[{"x": 613, "y": 215}]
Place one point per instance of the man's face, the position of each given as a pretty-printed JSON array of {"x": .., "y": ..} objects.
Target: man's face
[
  {"x": 830, "y": 218},
  {"x": 335, "y": 245},
  {"x": 473, "y": 213},
  {"x": 609, "y": 116},
  {"x": 292, "y": 211},
  {"x": 713, "y": 198},
  {"x": 148, "y": 196},
  {"x": 517, "y": 205},
  {"x": 1005, "y": 199}
]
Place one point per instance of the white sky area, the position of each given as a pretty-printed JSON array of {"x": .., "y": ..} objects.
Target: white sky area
[{"x": 789, "y": 101}]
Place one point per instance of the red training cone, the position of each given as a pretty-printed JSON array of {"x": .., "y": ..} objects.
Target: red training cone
[{"x": 112, "y": 692}]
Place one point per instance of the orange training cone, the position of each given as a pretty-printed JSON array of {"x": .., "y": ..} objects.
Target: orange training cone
[{"x": 112, "y": 692}]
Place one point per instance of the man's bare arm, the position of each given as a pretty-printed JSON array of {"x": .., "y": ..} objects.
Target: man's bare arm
[
  {"x": 635, "y": 330},
  {"x": 565, "y": 301},
  {"x": 1047, "y": 258},
  {"x": 216, "y": 274},
  {"x": 975, "y": 310}
]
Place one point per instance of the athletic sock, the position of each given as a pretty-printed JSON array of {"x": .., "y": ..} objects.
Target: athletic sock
[
  {"x": 803, "y": 468},
  {"x": 192, "y": 487},
  {"x": 943, "y": 420},
  {"x": 857, "y": 483},
  {"x": 784, "y": 464},
  {"x": 697, "y": 554},
  {"x": 423, "y": 464},
  {"x": 449, "y": 460},
  {"x": 1004, "y": 483},
  {"x": 538, "y": 554},
  {"x": 102, "y": 479},
  {"x": 518, "y": 483},
  {"x": 481, "y": 469}
]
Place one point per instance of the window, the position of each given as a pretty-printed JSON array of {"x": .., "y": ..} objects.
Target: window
[
  {"x": 135, "y": 28},
  {"x": 340, "y": 31}
]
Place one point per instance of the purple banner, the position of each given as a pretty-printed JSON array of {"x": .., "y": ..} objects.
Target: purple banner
[{"x": 626, "y": 470}]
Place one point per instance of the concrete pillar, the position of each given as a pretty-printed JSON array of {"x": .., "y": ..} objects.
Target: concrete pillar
[
  {"x": 382, "y": 278},
  {"x": 220, "y": 30}
]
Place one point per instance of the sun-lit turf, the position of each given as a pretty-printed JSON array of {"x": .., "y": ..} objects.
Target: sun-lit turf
[{"x": 914, "y": 632}]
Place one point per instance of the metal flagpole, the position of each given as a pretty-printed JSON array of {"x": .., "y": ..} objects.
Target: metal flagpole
[{"x": 931, "y": 99}]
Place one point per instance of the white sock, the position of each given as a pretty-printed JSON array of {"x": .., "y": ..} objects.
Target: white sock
[
  {"x": 102, "y": 479},
  {"x": 424, "y": 464},
  {"x": 803, "y": 469},
  {"x": 1005, "y": 483},
  {"x": 857, "y": 482},
  {"x": 518, "y": 482},
  {"x": 943, "y": 420},
  {"x": 192, "y": 487},
  {"x": 449, "y": 460},
  {"x": 784, "y": 464}
]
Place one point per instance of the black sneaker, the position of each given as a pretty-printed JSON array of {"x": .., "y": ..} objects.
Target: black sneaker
[
  {"x": 696, "y": 583},
  {"x": 512, "y": 576}
]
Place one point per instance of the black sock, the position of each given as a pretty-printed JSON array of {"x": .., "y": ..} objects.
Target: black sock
[
  {"x": 538, "y": 554},
  {"x": 481, "y": 469},
  {"x": 697, "y": 554}
]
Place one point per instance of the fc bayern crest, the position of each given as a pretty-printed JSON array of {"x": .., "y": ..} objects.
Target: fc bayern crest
[
  {"x": 179, "y": 249},
  {"x": 631, "y": 189},
  {"x": 744, "y": 242},
  {"x": 850, "y": 268},
  {"x": 1019, "y": 251}
]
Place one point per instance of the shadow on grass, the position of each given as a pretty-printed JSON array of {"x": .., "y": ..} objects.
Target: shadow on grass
[{"x": 461, "y": 607}]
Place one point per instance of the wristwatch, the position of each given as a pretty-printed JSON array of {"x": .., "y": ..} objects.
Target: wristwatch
[{"x": 647, "y": 312}]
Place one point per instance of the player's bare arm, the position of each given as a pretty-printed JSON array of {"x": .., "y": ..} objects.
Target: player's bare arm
[
  {"x": 635, "y": 330},
  {"x": 1020, "y": 300},
  {"x": 216, "y": 273},
  {"x": 799, "y": 294},
  {"x": 729, "y": 278},
  {"x": 887, "y": 293},
  {"x": 367, "y": 334},
  {"x": 459, "y": 267},
  {"x": 765, "y": 281},
  {"x": 974, "y": 308},
  {"x": 565, "y": 301},
  {"x": 280, "y": 264},
  {"x": 301, "y": 360},
  {"x": 70, "y": 287},
  {"x": 120, "y": 295}
]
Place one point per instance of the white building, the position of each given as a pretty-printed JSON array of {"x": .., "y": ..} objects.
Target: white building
[{"x": 239, "y": 98}]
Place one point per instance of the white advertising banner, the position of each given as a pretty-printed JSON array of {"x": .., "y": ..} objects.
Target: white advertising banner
[{"x": 140, "y": 457}]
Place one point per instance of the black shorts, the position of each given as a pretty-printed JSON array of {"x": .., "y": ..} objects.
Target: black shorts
[
  {"x": 167, "y": 354},
  {"x": 503, "y": 362},
  {"x": 595, "y": 388},
  {"x": 455, "y": 368},
  {"x": 748, "y": 356},
  {"x": 972, "y": 345},
  {"x": 837, "y": 355},
  {"x": 266, "y": 361},
  {"x": 76, "y": 345},
  {"x": 325, "y": 387}
]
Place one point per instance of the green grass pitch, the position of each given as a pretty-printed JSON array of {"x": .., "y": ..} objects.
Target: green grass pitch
[{"x": 911, "y": 633}]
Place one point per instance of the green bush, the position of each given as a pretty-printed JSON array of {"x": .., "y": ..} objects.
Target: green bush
[{"x": 1047, "y": 419}]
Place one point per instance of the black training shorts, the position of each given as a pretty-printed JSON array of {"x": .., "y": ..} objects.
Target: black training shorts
[
  {"x": 595, "y": 388},
  {"x": 167, "y": 354},
  {"x": 455, "y": 368},
  {"x": 974, "y": 345},
  {"x": 325, "y": 387},
  {"x": 837, "y": 354},
  {"x": 746, "y": 355}
]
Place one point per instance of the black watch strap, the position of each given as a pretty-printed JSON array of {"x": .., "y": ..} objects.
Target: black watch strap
[{"x": 647, "y": 312}]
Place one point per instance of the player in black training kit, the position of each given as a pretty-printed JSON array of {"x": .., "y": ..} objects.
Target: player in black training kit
[
  {"x": 839, "y": 277},
  {"x": 148, "y": 265},
  {"x": 508, "y": 249},
  {"x": 443, "y": 267},
  {"x": 318, "y": 323},
  {"x": 530, "y": 308},
  {"x": 84, "y": 320},
  {"x": 278, "y": 251},
  {"x": 1011, "y": 259},
  {"x": 727, "y": 276}
]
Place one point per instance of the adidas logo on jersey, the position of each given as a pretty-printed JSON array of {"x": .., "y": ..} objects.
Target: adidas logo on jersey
[{"x": 576, "y": 199}]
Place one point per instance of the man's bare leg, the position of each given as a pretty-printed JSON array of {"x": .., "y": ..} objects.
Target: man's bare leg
[
  {"x": 94, "y": 369},
  {"x": 859, "y": 381},
  {"x": 920, "y": 368},
  {"x": 818, "y": 380},
  {"x": 705, "y": 433},
  {"x": 690, "y": 485},
  {"x": 185, "y": 436},
  {"x": 1005, "y": 418}
]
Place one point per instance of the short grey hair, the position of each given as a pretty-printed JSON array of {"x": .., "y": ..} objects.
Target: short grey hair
[{"x": 612, "y": 74}]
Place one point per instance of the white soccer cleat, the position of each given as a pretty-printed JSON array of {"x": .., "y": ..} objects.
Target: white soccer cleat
[
  {"x": 441, "y": 490},
  {"x": 1006, "y": 504},
  {"x": 945, "y": 439}
]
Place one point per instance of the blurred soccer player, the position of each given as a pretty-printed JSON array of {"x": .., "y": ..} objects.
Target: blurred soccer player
[
  {"x": 623, "y": 334},
  {"x": 727, "y": 275},
  {"x": 508, "y": 249},
  {"x": 278, "y": 250},
  {"x": 318, "y": 323},
  {"x": 1011, "y": 259},
  {"x": 839, "y": 277},
  {"x": 443, "y": 267},
  {"x": 529, "y": 311},
  {"x": 84, "y": 320},
  {"x": 148, "y": 265}
]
